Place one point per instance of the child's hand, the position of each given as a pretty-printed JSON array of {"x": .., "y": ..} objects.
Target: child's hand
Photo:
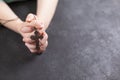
[{"x": 28, "y": 29}]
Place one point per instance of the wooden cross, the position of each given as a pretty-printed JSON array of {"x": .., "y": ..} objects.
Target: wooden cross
[{"x": 36, "y": 37}]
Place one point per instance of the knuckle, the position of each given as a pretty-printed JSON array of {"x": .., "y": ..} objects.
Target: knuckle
[
  {"x": 46, "y": 43},
  {"x": 46, "y": 36},
  {"x": 42, "y": 48},
  {"x": 33, "y": 51},
  {"x": 23, "y": 40},
  {"x": 26, "y": 40}
]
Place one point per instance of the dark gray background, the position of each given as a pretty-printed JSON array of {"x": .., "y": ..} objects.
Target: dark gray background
[{"x": 84, "y": 44}]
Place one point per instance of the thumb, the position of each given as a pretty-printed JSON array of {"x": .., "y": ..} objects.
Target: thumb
[{"x": 30, "y": 17}]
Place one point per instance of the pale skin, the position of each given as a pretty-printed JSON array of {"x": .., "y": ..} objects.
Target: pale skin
[{"x": 44, "y": 15}]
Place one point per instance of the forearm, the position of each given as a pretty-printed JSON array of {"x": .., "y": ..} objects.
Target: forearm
[
  {"x": 46, "y": 10},
  {"x": 6, "y": 14}
]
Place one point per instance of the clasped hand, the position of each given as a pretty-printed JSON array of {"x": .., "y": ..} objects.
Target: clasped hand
[{"x": 27, "y": 29}]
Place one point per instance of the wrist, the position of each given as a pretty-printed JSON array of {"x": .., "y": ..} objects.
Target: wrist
[
  {"x": 19, "y": 26},
  {"x": 42, "y": 24},
  {"x": 14, "y": 24}
]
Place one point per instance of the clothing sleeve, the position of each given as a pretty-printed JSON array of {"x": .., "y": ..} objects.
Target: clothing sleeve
[
  {"x": 1, "y": 0},
  {"x": 8, "y": 1}
]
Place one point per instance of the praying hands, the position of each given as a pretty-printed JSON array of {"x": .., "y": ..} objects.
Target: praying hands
[
  {"x": 33, "y": 29},
  {"x": 34, "y": 34}
]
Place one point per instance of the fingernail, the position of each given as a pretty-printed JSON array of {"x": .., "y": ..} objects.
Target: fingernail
[{"x": 30, "y": 17}]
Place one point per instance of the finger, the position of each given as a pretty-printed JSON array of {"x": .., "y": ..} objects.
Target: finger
[
  {"x": 28, "y": 35},
  {"x": 33, "y": 51},
  {"x": 37, "y": 24},
  {"x": 28, "y": 40},
  {"x": 43, "y": 47},
  {"x": 31, "y": 46},
  {"x": 33, "y": 24},
  {"x": 45, "y": 38},
  {"x": 27, "y": 29},
  {"x": 30, "y": 17}
]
